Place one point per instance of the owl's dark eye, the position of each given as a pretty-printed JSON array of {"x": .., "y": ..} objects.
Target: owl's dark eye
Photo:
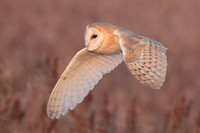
[{"x": 94, "y": 36}]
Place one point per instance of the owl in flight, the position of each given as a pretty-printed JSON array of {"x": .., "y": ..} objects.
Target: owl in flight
[{"x": 107, "y": 46}]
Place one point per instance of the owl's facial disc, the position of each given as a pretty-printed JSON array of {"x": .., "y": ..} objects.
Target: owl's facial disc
[{"x": 93, "y": 38}]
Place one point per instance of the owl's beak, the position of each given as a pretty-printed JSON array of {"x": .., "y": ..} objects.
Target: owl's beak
[{"x": 88, "y": 44}]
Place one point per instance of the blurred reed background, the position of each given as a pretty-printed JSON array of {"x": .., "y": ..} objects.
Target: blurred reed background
[{"x": 39, "y": 38}]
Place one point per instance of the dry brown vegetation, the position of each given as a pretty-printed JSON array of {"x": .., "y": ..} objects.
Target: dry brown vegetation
[{"x": 38, "y": 39}]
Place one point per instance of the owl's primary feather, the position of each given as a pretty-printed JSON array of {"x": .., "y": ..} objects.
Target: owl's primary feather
[
  {"x": 83, "y": 72},
  {"x": 107, "y": 46}
]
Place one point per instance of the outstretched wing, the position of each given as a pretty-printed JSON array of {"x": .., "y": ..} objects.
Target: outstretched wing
[
  {"x": 145, "y": 58},
  {"x": 83, "y": 72}
]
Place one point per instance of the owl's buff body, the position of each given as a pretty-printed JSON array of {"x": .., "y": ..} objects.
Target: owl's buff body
[{"x": 107, "y": 46}]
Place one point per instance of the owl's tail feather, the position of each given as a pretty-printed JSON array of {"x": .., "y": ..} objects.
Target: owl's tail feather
[{"x": 150, "y": 65}]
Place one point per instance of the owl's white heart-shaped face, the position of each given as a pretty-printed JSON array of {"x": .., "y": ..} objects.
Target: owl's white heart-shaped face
[{"x": 93, "y": 38}]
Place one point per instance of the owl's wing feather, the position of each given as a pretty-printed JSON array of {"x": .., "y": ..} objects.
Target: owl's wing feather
[
  {"x": 82, "y": 74},
  {"x": 145, "y": 59}
]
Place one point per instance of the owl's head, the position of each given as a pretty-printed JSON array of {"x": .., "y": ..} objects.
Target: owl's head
[{"x": 100, "y": 38}]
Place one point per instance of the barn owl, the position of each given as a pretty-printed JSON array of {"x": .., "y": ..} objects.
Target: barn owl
[{"x": 107, "y": 46}]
